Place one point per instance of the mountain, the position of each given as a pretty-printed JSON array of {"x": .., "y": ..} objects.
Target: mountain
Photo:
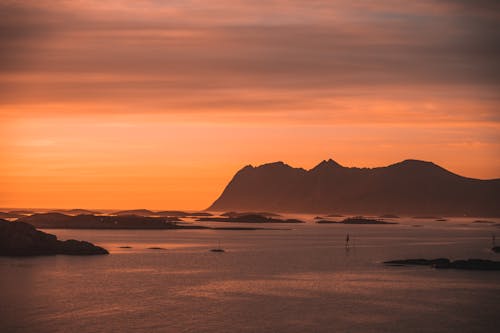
[{"x": 409, "y": 187}]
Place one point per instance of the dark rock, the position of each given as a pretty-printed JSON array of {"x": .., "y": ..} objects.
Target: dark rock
[
  {"x": 496, "y": 249},
  {"x": 475, "y": 264},
  {"x": 469, "y": 264},
  {"x": 245, "y": 228},
  {"x": 389, "y": 216},
  {"x": 286, "y": 221},
  {"x": 62, "y": 221},
  {"x": 240, "y": 214},
  {"x": 426, "y": 217},
  {"x": 75, "y": 247},
  {"x": 172, "y": 213},
  {"x": 196, "y": 214},
  {"x": 420, "y": 262},
  {"x": 362, "y": 220},
  {"x": 22, "y": 239},
  {"x": 327, "y": 222},
  {"x": 179, "y": 213},
  {"x": 250, "y": 218}
]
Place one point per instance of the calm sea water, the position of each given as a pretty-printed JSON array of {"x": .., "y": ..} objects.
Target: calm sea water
[{"x": 300, "y": 280}]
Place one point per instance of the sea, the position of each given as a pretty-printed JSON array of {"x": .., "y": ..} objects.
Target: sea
[{"x": 298, "y": 278}]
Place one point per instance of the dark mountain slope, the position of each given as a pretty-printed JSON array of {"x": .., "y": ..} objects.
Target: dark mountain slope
[{"x": 408, "y": 187}]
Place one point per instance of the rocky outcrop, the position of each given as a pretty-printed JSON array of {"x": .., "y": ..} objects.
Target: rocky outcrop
[
  {"x": 418, "y": 262},
  {"x": 239, "y": 214},
  {"x": 363, "y": 220},
  {"x": 470, "y": 264},
  {"x": 355, "y": 220},
  {"x": 327, "y": 222},
  {"x": 22, "y": 239},
  {"x": 62, "y": 221},
  {"x": 164, "y": 213},
  {"x": 250, "y": 218}
]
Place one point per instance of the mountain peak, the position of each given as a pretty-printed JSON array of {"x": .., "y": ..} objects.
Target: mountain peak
[
  {"x": 247, "y": 167},
  {"x": 274, "y": 165},
  {"x": 411, "y": 163},
  {"x": 416, "y": 162},
  {"x": 326, "y": 164}
]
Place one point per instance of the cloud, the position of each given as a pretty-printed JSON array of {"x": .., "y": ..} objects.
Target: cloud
[{"x": 242, "y": 56}]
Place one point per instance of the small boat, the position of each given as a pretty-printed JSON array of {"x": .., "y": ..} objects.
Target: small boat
[
  {"x": 494, "y": 246},
  {"x": 218, "y": 249}
]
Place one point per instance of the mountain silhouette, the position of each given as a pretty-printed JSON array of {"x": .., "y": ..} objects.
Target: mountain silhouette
[{"x": 408, "y": 187}]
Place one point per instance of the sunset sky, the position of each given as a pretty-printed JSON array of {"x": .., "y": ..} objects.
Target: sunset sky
[{"x": 156, "y": 104}]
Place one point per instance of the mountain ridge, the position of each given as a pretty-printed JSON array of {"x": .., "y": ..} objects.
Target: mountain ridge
[{"x": 407, "y": 187}]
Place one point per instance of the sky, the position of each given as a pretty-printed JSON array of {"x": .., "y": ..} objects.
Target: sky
[{"x": 156, "y": 104}]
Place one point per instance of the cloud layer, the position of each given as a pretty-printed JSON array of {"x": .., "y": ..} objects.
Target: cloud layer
[{"x": 195, "y": 55}]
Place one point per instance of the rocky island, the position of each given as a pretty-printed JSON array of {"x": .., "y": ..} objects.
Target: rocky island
[
  {"x": 165, "y": 213},
  {"x": 355, "y": 220},
  {"x": 239, "y": 214},
  {"x": 249, "y": 218},
  {"x": 471, "y": 264},
  {"x": 22, "y": 239},
  {"x": 179, "y": 213},
  {"x": 88, "y": 221},
  {"x": 132, "y": 222}
]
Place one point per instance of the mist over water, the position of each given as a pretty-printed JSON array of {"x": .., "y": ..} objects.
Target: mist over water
[{"x": 299, "y": 280}]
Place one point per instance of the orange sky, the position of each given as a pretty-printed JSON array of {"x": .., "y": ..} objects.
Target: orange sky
[{"x": 156, "y": 104}]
